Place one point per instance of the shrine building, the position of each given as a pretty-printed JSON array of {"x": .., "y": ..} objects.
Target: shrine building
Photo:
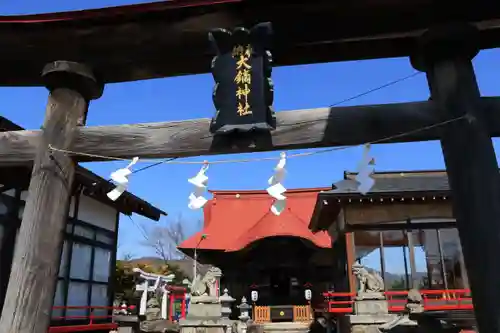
[
  {"x": 90, "y": 243},
  {"x": 277, "y": 256},
  {"x": 404, "y": 230}
]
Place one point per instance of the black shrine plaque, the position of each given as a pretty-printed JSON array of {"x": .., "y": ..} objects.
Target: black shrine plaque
[
  {"x": 243, "y": 93},
  {"x": 281, "y": 313}
]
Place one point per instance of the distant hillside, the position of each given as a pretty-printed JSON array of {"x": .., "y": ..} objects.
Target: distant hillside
[
  {"x": 183, "y": 265},
  {"x": 186, "y": 267},
  {"x": 392, "y": 278}
]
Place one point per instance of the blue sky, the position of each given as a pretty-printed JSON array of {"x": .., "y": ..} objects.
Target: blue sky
[{"x": 296, "y": 87}]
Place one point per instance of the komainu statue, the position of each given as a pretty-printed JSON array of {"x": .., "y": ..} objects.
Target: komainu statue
[
  {"x": 369, "y": 282},
  {"x": 206, "y": 286}
]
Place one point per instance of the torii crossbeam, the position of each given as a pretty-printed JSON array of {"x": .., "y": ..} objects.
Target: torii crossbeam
[{"x": 310, "y": 128}]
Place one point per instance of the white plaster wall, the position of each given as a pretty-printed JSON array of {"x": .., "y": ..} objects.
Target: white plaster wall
[
  {"x": 89, "y": 210},
  {"x": 96, "y": 213}
]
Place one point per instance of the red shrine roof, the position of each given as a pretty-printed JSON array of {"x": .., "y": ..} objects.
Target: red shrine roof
[{"x": 235, "y": 219}]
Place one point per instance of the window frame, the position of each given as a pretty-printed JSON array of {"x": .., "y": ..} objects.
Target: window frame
[
  {"x": 70, "y": 239},
  {"x": 408, "y": 231},
  {"x": 12, "y": 221}
]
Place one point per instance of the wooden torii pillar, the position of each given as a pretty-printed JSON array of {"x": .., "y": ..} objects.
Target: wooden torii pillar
[
  {"x": 467, "y": 147},
  {"x": 446, "y": 56},
  {"x": 30, "y": 292}
]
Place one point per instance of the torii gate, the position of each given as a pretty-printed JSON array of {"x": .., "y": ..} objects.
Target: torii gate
[
  {"x": 445, "y": 56},
  {"x": 160, "y": 283}
]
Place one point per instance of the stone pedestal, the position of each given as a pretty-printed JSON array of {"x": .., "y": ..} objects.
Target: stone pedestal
[
  {"x": 208, "y": 313},
  {"x": 371, "y": 315},
  {"x": 204, "y": 316},
  {"x": 192, "y": 327},
  {"x": 204, "y": 308},
  {"x": 370, "y": 311},
  {"x": 370, "y": 304},
  {"x": 202, "y": 311}
]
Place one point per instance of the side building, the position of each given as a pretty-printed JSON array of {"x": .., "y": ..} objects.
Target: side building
[
  {"x": 90, "y": 243},
  {"x": 403, "y": 230}
]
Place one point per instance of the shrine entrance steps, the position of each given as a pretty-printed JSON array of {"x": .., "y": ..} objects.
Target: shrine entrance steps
[{"x": 286, "y": 327}]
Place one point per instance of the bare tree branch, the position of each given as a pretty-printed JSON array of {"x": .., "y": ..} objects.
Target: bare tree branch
[
  {"x": 164, "y": 239},
  {"x": 127, "y": 256}
]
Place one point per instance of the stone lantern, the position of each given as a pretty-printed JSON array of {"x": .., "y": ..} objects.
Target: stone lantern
[
  {"x": 244, "y": 310},
  {"x": 226, "y": 300}
]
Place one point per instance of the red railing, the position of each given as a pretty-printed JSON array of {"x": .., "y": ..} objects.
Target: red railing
[
  {"x": 339, "y": 302},
  {"x": 91, "y": 321},
  {"x": 433, "y": 300}
]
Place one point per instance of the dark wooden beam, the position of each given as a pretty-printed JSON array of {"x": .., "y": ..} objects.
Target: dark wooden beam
[
  {"x": 470, "y": 160},
  {"x": 155, "y": 36},
  {"x": 313, "y": 128},
  {"x": 398, "y": 226}
]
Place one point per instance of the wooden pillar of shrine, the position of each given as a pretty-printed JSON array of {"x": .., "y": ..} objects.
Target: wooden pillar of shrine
[
  {"x": 445, "y": 55},
  {"x": 30, "y": 292},
  {"x": 340, "y": 265}
]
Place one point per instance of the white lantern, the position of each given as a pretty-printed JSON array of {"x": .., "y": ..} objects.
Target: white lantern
[
  {"x": 308, "y": 294},
  {"x": 254, "y": 295}
]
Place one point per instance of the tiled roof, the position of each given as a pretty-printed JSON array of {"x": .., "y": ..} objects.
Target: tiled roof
[
  {"x": 395, "y": 182},
  {"x": 127, "y": 204},
  {"x": 235, "y": 219}
]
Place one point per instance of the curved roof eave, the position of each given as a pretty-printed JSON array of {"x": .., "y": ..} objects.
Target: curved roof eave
[{"x": 127, "y": 204}]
